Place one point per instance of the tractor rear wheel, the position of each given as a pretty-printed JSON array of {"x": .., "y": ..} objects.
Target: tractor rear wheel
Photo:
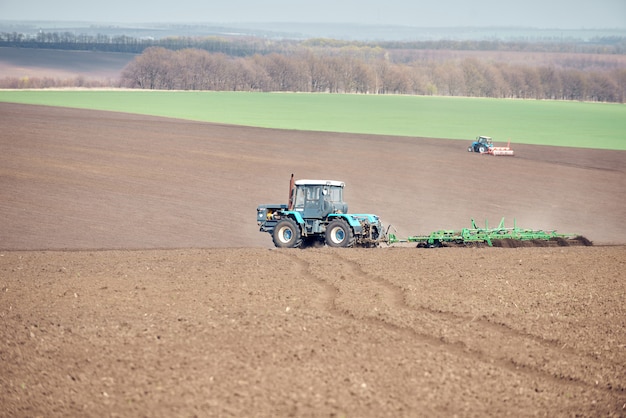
[
  {"x": 339, "y": 234},
  {"x": 287, "y": 234},
  {"x": 482, "y": 149}
]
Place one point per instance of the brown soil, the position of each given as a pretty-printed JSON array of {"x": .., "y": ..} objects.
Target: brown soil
[{"x": 134, "y": 282}]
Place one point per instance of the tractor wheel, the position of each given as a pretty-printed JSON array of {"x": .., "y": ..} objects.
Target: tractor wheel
[
  {"x": 470, "y": 149},
  {"x": 482, "y": 149},
  {"x": 287, "y": 234},
  {"x": 339, "y": 234}
]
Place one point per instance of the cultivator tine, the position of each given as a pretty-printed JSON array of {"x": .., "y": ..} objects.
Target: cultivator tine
[{"x": 391, "y": 237}]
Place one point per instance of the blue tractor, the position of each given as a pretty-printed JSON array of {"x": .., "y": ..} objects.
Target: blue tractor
[
  {"x": 481, "y": 145},
  {"x": 315, "y": 215}
]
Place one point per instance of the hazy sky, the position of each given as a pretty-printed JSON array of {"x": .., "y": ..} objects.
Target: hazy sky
[{"x": 562, "y": 14}]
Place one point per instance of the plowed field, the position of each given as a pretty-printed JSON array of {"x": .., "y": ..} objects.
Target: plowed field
[{"x": 134, "y": 282}]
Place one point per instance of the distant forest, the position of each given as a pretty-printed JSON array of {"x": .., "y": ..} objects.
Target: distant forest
[{"x": 587, "y": 71}]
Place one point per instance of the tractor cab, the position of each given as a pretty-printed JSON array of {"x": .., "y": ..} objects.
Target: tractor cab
[
  {"x": 481, "y": 145},
  {"x": 316, "y": 199}
]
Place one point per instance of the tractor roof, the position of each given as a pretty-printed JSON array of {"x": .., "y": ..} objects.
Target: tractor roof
[{"x": 306, "y": 182}]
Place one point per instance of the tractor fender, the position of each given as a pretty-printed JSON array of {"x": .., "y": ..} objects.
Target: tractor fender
[
  {"x": 368, "y": 217},
  {"x": 351, "y": 220},
  {"x": 297, "y": 216}
]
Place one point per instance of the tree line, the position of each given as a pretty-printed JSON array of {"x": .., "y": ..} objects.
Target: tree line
[
  {"x": 560, "y": 71},
  {"x": 69, "y": 41},
  {"x": 250, "y": 45},
  {"x": 367, "y": 73}
]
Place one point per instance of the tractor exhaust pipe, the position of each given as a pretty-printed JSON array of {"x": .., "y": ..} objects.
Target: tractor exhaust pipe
[{"x": 292, "y": 183}]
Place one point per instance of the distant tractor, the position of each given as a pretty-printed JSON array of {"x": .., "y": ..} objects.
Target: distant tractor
[
  {"x": 317, "y": 214},
  {"x": 484, "y": 145},
  {"x": 481, "y": 145}
]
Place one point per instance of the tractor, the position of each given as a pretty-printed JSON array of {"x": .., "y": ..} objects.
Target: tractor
[
  {"x": 481, "y": 145},
  {"x": 315, "y": 215},
  {"x": 484, "y": 145}
]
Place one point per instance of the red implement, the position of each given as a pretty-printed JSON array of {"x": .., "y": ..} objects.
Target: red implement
[{"x": 501, "y": 150}]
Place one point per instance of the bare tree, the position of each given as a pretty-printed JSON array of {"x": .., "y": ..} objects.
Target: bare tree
[
  {"x": 473, "y": 76},
  {"x": 149, "y": 70}
]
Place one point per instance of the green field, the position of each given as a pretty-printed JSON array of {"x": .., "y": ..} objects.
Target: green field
[{"x": 574, "y": 124}]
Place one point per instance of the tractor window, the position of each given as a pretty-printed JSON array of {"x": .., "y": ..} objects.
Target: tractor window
[
  {"x": 299, "y": 198},
  {"x": 333, "y": 194},
  {"x": 313, "y": 193}
]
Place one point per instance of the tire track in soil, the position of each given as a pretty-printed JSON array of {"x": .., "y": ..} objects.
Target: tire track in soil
[
  {"x": 383, "y": 303},
  {"x": 324, "y": 302}
]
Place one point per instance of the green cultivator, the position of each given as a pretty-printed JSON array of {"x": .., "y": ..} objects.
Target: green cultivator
[{"x": 498, "y": 237}]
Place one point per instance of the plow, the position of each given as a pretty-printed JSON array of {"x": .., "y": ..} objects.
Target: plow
[{"x": 500, "y": 236}]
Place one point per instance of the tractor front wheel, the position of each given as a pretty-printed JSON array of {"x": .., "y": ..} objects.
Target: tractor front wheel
[
  {"x": 339, "y": 234},
  {"x": 287, "y": 234}
]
